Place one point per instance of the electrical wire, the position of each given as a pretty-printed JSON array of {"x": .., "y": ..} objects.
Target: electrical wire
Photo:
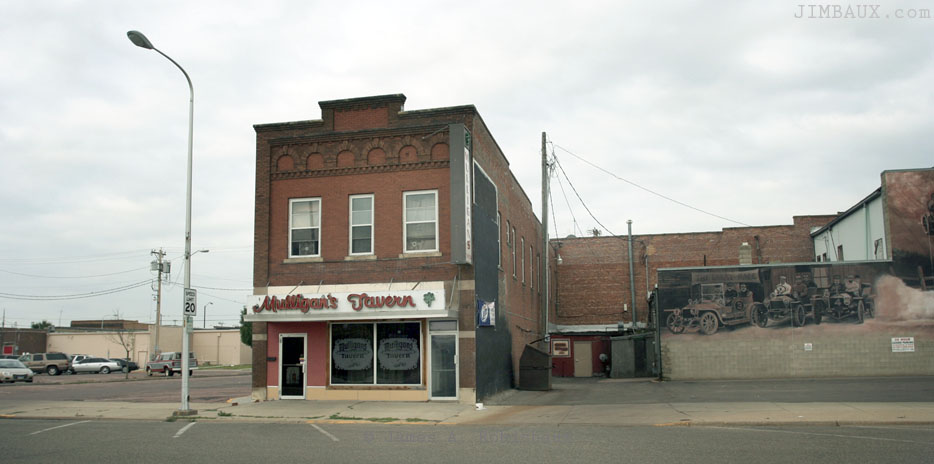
[
  {"x": 73, "y": 277},
  {"x": 649, "y": 190},
  {"x": 76, "y": 296},
  {"x": 570, "y": 184}
]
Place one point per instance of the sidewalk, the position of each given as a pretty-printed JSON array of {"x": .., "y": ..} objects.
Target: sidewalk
[{"x": 339, "y": 412}]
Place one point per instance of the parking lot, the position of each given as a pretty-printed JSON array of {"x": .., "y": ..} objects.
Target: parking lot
[{"x": 205, "y": 385}]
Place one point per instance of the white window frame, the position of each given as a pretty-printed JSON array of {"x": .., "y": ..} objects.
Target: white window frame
[
  {"x": 320, "y": 241},
  {"x": 405, "y": 223},
  {"x": 351, "y": 224}
]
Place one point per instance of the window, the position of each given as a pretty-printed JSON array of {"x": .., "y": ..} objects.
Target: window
[
  {"x": 839, "y": 252},
  {"x": 522, "y": 244},
  {"x": 361, "y": 224},
  {"x": 305, "y": 227},
  {"x": 531, "y": 268},
  {"x": 499, "y": 243},
  {"x": 385, "y": 353},
  {"x": 879, "y": 251},
  {"x": 421, "y": 221},
  {"x": 512, "y": 244}
]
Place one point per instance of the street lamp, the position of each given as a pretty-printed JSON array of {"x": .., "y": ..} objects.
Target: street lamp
[
  {"x": 205, "y": 311},
  {"x": 140, "y": 40}
]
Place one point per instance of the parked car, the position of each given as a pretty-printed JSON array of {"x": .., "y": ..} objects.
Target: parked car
[
  {"x": 50, "y": 363},
  {"x": 170, "y": 363},
  {"x": 124, "y": 363},
  {"x": 11, "y": 370},
  {"x": 75, "y": 358},
  {"x": 9, "y": 356},
  {"x": 95, "y": 365}
]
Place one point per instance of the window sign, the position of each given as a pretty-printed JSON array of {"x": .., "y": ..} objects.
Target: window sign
[
  {"x": 486, "y": 313},
  {"x": 397, "y": 359}
]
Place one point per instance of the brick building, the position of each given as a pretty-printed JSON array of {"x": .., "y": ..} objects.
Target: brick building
[
  {"x": 396, "y": 257},
  {"x": 594, "y": 299}
]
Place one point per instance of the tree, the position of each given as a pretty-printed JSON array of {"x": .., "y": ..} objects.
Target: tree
[
  {"x": 246, "y": 330},
  {"x": 44, "y": 325},
  {"x": 126, "y": 339}
]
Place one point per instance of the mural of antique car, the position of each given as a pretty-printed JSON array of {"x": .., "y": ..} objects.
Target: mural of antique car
[
  {"x": 712, "y": 305},
  {"x": 844, "y": 300},
  {"x": 787, "y": 303}
]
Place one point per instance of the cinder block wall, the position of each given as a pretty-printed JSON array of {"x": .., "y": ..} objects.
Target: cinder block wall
[{"x": 851, "y": 353}]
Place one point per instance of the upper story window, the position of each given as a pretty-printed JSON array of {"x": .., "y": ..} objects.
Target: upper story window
[
  {"x": 522, "y": 243},
  {"x": 499, "y": 244},
  {"x": 420, "y": 212},
  {"x": 304, "y": 227},
  {"x": 512, "y": 244},
  {"x": 361, "y": 224}
]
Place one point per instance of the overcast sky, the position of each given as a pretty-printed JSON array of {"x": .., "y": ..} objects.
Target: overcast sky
[{"x": 752, "y": 112}]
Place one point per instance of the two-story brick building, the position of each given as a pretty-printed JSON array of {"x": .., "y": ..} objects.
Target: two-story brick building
[{"x": 396, "y": 257}]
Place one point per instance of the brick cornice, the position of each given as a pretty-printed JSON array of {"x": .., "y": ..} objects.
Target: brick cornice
[
  {"x": 356, "y": 135},
  {"x": 437, "y": 164}
]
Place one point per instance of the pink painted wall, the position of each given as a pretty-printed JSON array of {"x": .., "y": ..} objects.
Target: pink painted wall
[{"x": 316, "y": 357}]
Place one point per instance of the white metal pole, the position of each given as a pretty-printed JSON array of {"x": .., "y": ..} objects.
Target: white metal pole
[{"x": 140, "y": 40}]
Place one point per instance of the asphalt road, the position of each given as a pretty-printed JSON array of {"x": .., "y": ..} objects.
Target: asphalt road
[
  {"x": 159, "y": 442},
  {"x": 571, "y": 391},
  {"x": 205, "y": 386}
]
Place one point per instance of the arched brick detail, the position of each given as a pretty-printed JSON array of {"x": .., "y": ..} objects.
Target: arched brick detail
[
  {"x": 376, "y": 157},
  {"x": 285, "y": 163},
  {"x": 440, "y": 151},
  {"x": 408, "y": 154},
  {"x": 345, "y": 159},
  {"x": 315, "y": 162}
]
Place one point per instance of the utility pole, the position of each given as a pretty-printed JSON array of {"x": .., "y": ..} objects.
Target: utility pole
[
  {"x": 632, "y": 277},
  {"x": 158, "y": 266},
  {"x": 545, "y": 248}
]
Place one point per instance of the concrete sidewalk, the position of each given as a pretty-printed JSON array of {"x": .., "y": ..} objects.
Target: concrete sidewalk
[{"x": 658, "y": 414}]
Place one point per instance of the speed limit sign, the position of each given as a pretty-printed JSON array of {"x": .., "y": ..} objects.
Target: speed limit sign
[{"x": 191, "y": 302}]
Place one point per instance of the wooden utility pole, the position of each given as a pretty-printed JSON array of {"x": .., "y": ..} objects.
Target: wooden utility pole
[
  {"x": 545, "y": 248},
  {"x": 158, "y": 265}
]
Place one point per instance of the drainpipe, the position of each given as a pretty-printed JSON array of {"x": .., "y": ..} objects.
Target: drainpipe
[{"x": 632, "y": 277}]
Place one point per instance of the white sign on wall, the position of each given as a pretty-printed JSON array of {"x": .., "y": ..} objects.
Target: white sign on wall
[
  {"x": 349, "y": 304},
  {"x": 903, "y": 344}
]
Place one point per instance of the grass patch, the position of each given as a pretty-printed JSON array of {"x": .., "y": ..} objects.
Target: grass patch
[
  {"x": 370, "y": 419},
  {"x": 415, "y": 419},
  {"x": 237, "y": 367},
  {"x": 224, "y": 414}
]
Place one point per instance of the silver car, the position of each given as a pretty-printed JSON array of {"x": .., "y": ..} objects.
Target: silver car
[
  {"x": 104, "y": 366},
  {"x": 12, "y": 370}
]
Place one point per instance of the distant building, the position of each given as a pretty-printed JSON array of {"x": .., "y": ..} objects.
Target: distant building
[{"x": 109, "y": 324}]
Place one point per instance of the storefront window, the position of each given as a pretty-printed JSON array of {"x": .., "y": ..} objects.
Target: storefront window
[
  {"x": 352, "y": 354},
  {"x": 391, "y": 349}
]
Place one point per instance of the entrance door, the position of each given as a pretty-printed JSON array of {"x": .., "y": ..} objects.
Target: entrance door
[
  {"x": 292, "y": 366},
  {"x": 443, "y": 352},
  {"x": 583, "y": 359}
]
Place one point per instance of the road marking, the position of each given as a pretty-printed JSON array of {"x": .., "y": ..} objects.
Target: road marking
[
  {"x": 836, "y": 435},
  {"x": 184, "y": 429},
  {"x": 332, "y": 437},
  {"x": 58, "y": 427}
]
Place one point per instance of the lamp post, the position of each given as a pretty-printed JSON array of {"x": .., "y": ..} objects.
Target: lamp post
[
  {"x": 205, "y": 311},
  {"x": 140, "y": 40}
]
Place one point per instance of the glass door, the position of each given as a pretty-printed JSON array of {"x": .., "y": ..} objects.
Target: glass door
[
  {"x": 292, "y": 366},
  {"x": 443, "y": 365}
]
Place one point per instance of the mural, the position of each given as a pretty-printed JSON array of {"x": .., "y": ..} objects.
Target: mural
[{"x": 706, "y": 300}]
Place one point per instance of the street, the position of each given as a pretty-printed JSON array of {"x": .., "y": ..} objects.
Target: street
[{"x": 182, "y": 441}]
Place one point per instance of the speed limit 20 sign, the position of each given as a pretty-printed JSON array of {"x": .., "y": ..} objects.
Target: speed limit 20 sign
[{"x": 191, "y": 302}]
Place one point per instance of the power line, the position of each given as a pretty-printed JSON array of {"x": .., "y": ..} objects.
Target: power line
[
  {"x": 649, "y": 190},
  {"x": 74, "y": 277},
  {"x": 76, "y": 296},
  {"x": 570, "y": 184}
]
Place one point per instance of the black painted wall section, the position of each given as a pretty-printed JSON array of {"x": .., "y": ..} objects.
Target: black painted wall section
[{"x": 494, "y": 344}]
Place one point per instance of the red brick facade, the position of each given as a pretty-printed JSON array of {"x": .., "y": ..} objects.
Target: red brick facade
[
  {"x": 592, "y": 281},
  {"x": 371, "y": 146}
]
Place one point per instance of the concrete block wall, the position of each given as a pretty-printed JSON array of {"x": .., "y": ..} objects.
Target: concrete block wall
[{"x": 855, "y": 354}]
